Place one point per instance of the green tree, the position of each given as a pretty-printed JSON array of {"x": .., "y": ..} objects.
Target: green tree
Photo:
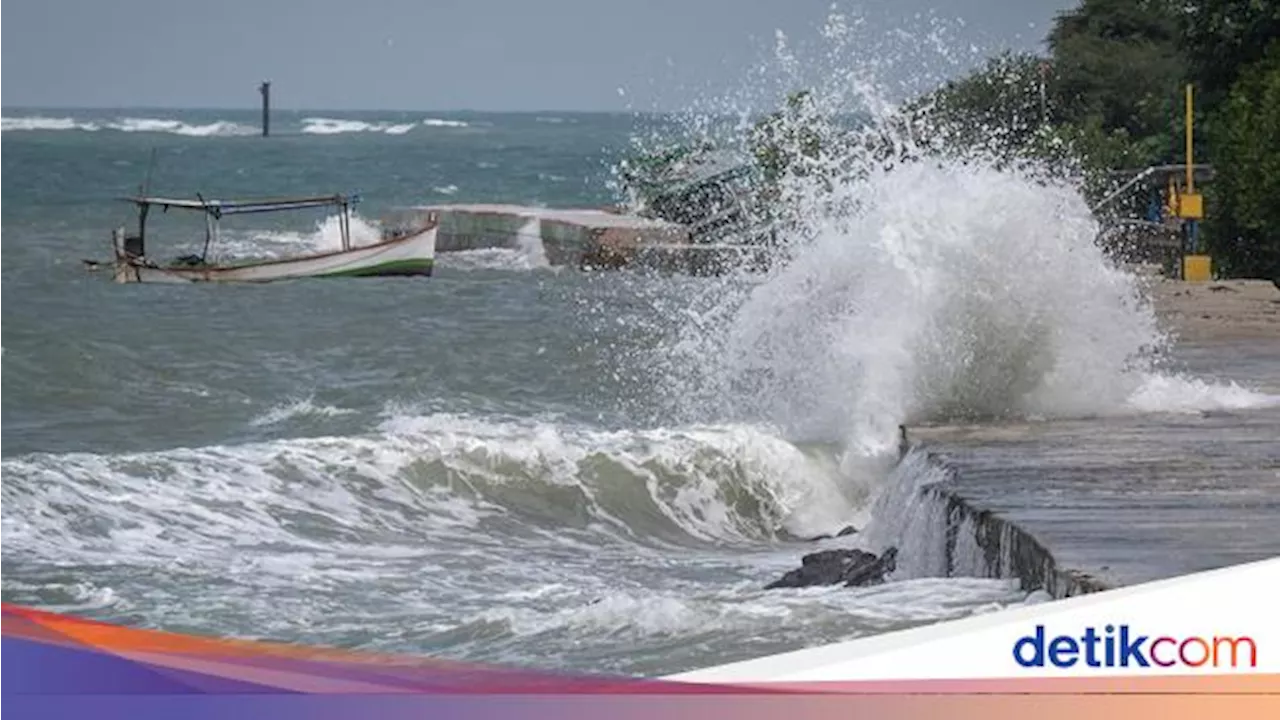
[
  {"x": 1117, "y": 64},
  {"x": 997, "y": 110},
  {"x": 1222, "y": 37},
  {"x": 1242, "y": 226},
  {"x": 782, "y": 141}
]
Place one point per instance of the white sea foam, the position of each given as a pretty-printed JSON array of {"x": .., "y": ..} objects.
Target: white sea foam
[
  {"x": 723, "y": 484},
  {"x": 529, "y": 243},
  {"x": 45, "y": 123},
  {"x": 338, "y": 126},
  {"x": 527, "y": 253},
  {"x": 219, "y": 128},
  {"x": 299, "y": 408},
  {"x": 438, "y": 122},
  {"x": 921, "y": 285},
  {"x": 326, "y": 236}
]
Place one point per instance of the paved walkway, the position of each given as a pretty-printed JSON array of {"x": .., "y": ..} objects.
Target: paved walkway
[{"x": 1128, "y": 500}]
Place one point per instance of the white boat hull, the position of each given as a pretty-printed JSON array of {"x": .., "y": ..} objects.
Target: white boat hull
[{"x": 409, "y": 255}]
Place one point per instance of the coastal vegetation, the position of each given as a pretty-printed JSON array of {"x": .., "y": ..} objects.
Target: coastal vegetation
[
  {"x": 1104, "y": 102},
  {"x": 1111, "y": 89}
]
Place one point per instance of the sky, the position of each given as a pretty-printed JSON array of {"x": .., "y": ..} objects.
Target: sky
[{"x": 488, "y": 55}]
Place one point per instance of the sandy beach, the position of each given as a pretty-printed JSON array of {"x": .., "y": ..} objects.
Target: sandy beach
[{"x": 1217, "y": 311}]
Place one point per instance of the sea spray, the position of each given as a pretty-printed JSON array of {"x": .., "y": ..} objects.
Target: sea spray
[
  {"x": 916, "y": 280},
  {"x": 912, "y": 284}
]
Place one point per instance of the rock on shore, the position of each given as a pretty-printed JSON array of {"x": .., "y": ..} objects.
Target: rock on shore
[{"x": 846, "y": 565}]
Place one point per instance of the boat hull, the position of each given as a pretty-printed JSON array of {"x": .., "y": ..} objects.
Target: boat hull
[{"x": 412, "y": 255}]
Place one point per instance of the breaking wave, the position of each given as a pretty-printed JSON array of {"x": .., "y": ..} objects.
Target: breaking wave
[
  {"x": 333, "y": 126},
  {"x": 514, "y": 541},
  {"x": 217, "y": 128},
  {"x": 220, "y": 128},
  {"x": 418, "y": 477},
  {"x": 918, "y": 285},
  {"x": 326, "y": 236}
]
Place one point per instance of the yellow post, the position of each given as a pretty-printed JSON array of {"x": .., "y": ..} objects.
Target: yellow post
[
  {"x": 1190, "y": 203},
  {"x": 1195, "y": 267},
  {"x": 1191, "y": 181}
]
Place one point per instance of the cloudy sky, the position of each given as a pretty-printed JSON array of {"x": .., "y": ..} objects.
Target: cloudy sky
[{"x": 471, "y": 54}]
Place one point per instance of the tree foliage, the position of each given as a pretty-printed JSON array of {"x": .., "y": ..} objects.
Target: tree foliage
[
  {"x": 1244, "y": 225},
  {"x": 1117, "y": 62},
  {"x": 1108, "y": 98},
  {"x": 1221, "y": 38}
]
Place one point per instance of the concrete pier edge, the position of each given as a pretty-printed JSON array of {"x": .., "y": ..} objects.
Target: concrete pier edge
[{"x": 1009, "y": 551}]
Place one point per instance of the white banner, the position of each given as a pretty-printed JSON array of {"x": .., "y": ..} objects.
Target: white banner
[{"x": 1218, "y": 622}]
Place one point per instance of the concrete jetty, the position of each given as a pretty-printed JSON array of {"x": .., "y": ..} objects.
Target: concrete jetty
[
  {"x": 1075, "y": 506},
  {"x": 1080, "y": 506},
  {"x": 583, "y": 238}
]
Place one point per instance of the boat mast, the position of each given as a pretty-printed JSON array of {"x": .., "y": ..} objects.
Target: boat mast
[
  {"x": 345, "y": 225},
  {"x": 142, "y": 228}
]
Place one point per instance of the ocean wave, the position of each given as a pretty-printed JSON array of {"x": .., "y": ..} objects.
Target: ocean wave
[
  {"x": 439, "y": 474},
  {"x": 339, "y": 126},
  {"x": 9, "y": 124},
  {"x": 219, "y": 128},
  {"x": 216, "y": 128},
  {"x": 297, "y": 409},
  {"x": 326, "y": 236},
  {"x": 941, "y": 286}
]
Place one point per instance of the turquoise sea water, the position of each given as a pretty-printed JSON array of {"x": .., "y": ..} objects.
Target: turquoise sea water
[{"x": 479, "y": 465}]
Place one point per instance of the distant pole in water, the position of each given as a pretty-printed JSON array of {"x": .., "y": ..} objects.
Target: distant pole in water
[{"x": 265, "y": 89}]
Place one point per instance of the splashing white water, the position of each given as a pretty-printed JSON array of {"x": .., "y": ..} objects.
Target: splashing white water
[
  {"x": 529, "y": 244},
  {"x": 915, "y": 285},
  {"x": 527, "y": 252},
  {"x": 273, "y": 244}
]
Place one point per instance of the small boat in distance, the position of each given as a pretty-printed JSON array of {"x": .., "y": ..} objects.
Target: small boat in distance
[{"x": 400, "y": 252}]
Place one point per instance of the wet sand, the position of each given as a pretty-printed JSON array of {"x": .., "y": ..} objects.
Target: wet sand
[{"x": 1217, "y": 311}]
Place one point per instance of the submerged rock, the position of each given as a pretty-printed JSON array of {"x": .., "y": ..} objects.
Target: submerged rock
[
  {"x": 849, "y": 566},
  {"x": 846, "y": 530}
]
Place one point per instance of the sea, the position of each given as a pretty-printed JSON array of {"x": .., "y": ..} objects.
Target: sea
[{"x": 508, "y": 462}]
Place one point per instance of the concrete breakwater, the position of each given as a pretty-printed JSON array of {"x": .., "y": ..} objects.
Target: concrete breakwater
[
  {"x": 1077, "y": 506},
  {"x": 583, "y": 238},
  {"x": 1080, "y": 506}
]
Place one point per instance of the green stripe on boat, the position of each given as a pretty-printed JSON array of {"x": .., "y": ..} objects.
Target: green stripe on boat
[{"x": 395, "y": 267}]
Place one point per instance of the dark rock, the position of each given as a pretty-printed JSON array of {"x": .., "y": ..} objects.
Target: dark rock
[
  {"x": 846, "y": 530},
  {"x": 832, "y": 567},
  {"x": 874, "y": 573}
]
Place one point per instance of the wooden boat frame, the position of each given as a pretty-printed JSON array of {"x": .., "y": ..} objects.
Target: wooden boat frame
[{"x": 400, "y": 252}]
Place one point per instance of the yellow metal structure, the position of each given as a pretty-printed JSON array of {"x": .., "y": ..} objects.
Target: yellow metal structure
[
  {"x": 1197, "y": 268},
  {"x": 1190, "y": 204},
  {"x": 1191, "y": 178}
]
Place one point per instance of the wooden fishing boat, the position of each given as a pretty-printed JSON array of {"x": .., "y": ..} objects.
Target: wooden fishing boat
[{"x": 399, "y": 252}]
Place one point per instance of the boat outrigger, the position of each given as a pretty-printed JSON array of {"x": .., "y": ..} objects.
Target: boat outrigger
[{"x": 399, "y": 252}]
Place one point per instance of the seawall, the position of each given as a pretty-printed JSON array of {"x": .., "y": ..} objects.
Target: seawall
[
  {"x": 582, "y": 238},
  {"x": 1081, "y": 506}
]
